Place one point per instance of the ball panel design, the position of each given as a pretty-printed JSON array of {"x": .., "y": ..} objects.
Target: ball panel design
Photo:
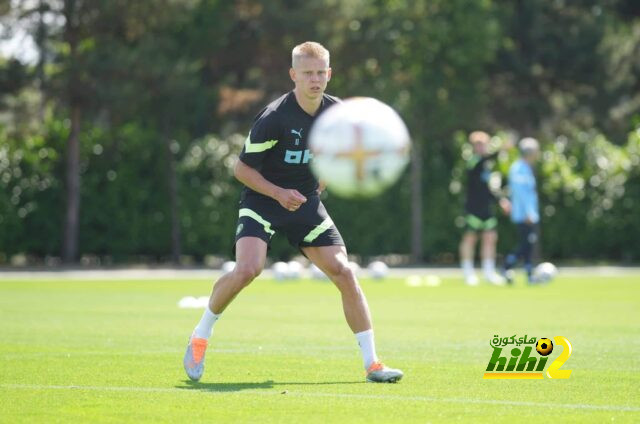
[{"x": 360, "y": 147}]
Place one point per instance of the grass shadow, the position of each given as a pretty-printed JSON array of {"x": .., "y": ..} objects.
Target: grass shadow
[{"x": 267, "y": 384}]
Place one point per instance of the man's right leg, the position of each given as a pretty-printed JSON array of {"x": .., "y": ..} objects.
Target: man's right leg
[
  {"x": 251, "y": 253},
  {"x": 467, "y": 248},
  {"x": 529, "y": 239}
]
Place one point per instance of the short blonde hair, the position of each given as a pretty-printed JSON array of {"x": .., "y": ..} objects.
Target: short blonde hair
[
  {"x": 309, "y": 49},
  {"x": 479, "y": 137}
]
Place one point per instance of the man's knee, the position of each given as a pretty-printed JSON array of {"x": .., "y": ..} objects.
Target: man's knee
[
  {"x": 340, "y": 270},
  {"x": 469, "y": 237},
  {"x": 246, "y": 273},
  {"x": 344, "y": 278},
  {"x": 490, "y": 236}
]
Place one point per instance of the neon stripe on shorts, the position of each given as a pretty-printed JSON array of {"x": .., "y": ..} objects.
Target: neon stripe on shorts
[
  {"x": 313, "y": 234},
  {"x": 251, "y": 214}
]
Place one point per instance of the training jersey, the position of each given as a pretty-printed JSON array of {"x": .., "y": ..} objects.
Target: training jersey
[
  {"x": 277, "y": 145},
  {"x": 479, "y": 196},
  {"x": 524, "y": 196}
]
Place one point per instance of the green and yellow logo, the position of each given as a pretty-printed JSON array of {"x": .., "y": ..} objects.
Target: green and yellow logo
[{"x": 523, "y": 363}]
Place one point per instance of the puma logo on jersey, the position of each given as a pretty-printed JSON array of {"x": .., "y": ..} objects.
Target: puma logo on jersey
[{"x": 298, "y": 134}]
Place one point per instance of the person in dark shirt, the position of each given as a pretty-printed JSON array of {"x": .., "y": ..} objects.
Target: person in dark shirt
[
  {"x": 282, "y": 195},
  {"x": 479, "y": 218}
]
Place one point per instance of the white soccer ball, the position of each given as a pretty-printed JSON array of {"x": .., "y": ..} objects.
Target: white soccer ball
[
  {"x": 280, "y": 270},
  {"x": 228, "y": 266},
  {"x": 295, "y": 269},
  {"x": 545, "y": 271},
  {"x": 360, "y": 147},
  {"x": 378, "y": 270}
]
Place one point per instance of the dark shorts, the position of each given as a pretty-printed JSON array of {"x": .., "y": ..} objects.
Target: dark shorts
[
  {"x": 310, "y": 225},
  {"x": 480, "y": 223}
]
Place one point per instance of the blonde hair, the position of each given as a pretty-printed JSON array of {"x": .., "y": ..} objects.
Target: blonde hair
[
  {"x": 309, "y": 49},
  {"x": 479, "y": 137}
]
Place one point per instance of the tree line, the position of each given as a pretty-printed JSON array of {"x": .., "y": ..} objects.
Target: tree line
[{"x": 118, "y": 141}]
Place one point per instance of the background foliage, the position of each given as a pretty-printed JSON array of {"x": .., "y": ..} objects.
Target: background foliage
[{"x": 166, "y": 90}]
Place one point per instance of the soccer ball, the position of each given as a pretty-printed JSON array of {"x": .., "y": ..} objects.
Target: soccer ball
[
  {"x": 378, "y": 270},
  {"x": 280, "y": 270},
  {"x": 360, "y": 147},
  {"x": 295, "y": 269},
  {"x": 228, "y": 266},
  {"x": 544, "y": 346},
  {"x": 545, "y": 271}
]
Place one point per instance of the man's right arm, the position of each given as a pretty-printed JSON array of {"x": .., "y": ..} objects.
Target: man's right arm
[{"x": 288, "y": 198}]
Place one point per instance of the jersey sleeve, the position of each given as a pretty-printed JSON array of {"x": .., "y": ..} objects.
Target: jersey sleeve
[{"x": 264, "y": 135}]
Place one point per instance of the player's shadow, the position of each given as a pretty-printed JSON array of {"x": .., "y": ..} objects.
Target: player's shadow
[{"x": 268, "y": 384}]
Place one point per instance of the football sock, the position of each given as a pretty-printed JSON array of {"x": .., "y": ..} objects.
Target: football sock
[
  {"x": 205, "y": 326},
  {"x": 489, "y": 267},
  {"x": 467, "y": 267},
  {"x": 367, "y": 347}
]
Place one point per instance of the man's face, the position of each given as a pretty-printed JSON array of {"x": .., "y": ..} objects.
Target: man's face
[
  {"x": 310, "y": 76},
  {"x": 533, "y": 156},
  {"x": 480, "y": 148}
]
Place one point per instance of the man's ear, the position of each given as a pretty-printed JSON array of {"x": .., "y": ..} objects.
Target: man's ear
[
  {"x": 292, "y": 74},
  {"x": 329, "y": 74}
]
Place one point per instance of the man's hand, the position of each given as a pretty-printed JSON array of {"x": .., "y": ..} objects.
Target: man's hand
[
  {"x": 505, "y": 205},
  {"x": 290, "y": 199}
]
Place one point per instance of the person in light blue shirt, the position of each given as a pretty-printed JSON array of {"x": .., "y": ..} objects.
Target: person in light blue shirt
[{"x": 524, "y": 207}]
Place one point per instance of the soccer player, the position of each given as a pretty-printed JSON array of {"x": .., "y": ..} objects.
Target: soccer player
[
  {"x": 524, "y": 207},
  {"x": 282, "y": 195},
  {"x": 479, "y": 217}
]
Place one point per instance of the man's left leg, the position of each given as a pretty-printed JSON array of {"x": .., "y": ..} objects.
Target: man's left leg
[
  {"x": 530, "y": 236},
  {"x": 333, "y": 261},
  {"x": 488, "y": 250}
]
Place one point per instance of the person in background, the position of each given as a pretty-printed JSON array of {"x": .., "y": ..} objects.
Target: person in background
[
  {"x": 524, "y": 208},
  {"x": 480, "y": 219}
]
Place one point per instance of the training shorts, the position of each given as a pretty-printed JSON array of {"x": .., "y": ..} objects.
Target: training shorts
[
  {"x": 476, "y": 223},
  {"x": 309, "y": 225}
]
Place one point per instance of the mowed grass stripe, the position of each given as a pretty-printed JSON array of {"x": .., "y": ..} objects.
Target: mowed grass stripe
[{"x": 394, "y": 398}]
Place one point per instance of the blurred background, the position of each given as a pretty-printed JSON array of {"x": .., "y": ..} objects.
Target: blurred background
[{"x": 120, "y": 121}]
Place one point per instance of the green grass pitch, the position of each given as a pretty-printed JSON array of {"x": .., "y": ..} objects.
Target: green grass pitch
[{"x": 111, "y": 351}]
